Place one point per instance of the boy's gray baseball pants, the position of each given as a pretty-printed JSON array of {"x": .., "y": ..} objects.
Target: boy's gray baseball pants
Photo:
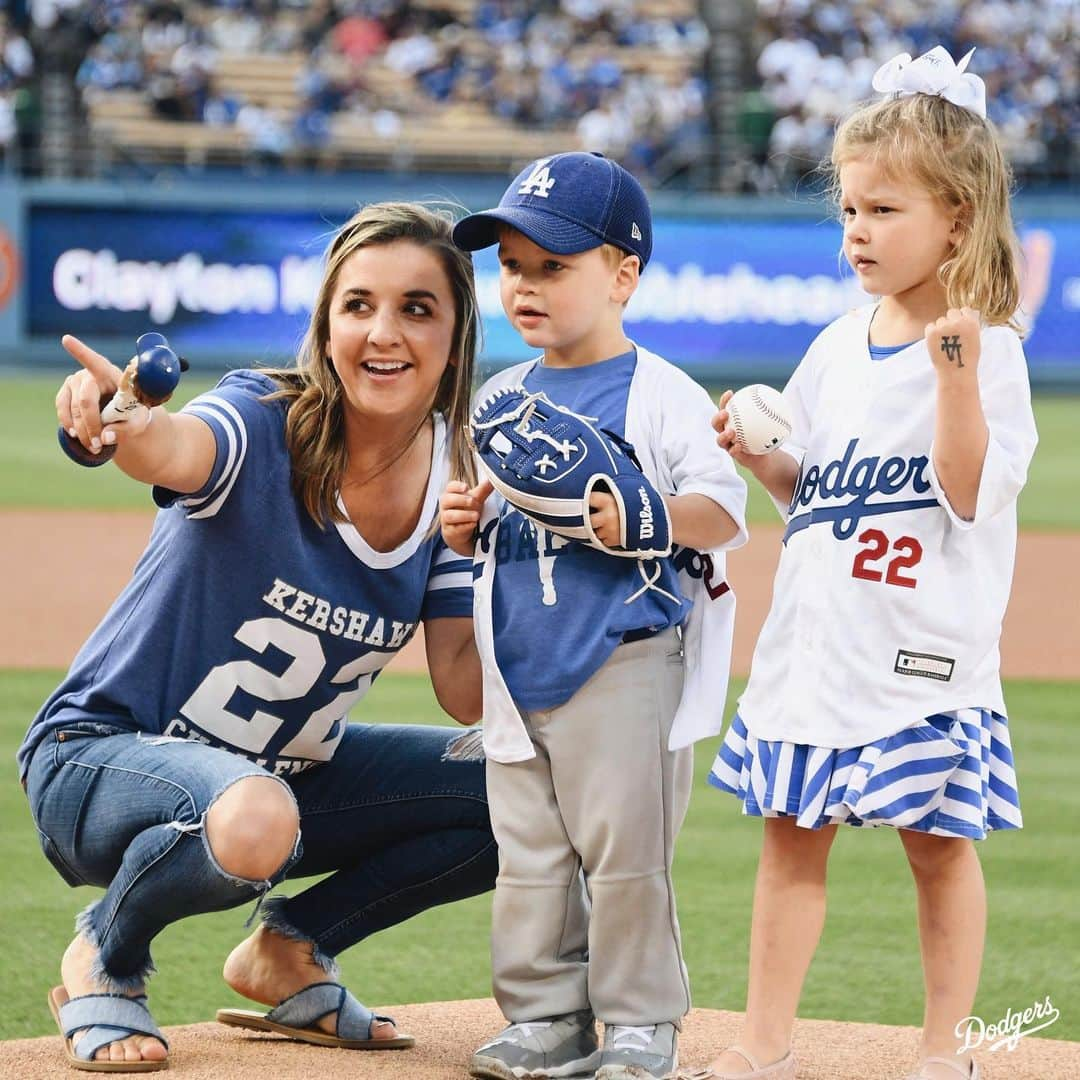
[{"x": 602, "y": 800}]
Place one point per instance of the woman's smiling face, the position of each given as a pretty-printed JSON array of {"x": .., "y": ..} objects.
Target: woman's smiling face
[{"x": 392, "y": 322}]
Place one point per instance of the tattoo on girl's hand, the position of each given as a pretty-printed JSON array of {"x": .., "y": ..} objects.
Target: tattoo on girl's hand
[{"x": 950, "y": 346}]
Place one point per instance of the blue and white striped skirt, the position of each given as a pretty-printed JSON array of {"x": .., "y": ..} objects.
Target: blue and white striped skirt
[{"x": 949, "y": 775}]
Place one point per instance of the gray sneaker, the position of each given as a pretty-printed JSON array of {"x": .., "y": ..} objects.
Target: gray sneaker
[
  {"x": 639, "y": 1053},
  {"x": 562, "y": 1046}
]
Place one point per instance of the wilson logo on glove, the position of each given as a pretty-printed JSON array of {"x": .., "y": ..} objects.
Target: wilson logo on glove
[{"x": 546, "y": 461}]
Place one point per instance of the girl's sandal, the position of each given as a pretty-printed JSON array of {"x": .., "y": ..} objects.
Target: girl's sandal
[
  {"x": 969, "y": 1073},
  {"x": 784, "y": 1069}
]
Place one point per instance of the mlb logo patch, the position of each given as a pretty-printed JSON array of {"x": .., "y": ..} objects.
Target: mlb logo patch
[{"x": 924, "y": 665}]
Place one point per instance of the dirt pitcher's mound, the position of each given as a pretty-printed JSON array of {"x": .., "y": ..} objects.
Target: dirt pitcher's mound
[{"x": 447, "y": 1033}]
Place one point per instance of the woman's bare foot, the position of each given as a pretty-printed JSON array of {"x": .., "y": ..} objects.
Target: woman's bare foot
[
  {"x": 269, "y": 967},
  {"x": 75, "y": 975}
]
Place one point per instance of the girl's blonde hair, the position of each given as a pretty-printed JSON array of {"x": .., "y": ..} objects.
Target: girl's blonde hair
[
  {"x": 315, "y": 425},
  {"x": 954, "y": 154}
]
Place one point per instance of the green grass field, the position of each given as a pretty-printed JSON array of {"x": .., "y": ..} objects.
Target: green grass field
[
  {"x": 866, "y": 969},
  {"x": 37, "y": 474}
]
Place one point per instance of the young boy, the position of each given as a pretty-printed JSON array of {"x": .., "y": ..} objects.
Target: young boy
[{"x": 588, "y": 724}]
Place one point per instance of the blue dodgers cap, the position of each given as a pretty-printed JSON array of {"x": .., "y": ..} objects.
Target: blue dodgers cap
[{"x": 568, "y": 203}]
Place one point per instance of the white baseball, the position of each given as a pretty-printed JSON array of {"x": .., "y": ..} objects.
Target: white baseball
[{"x": 760, "y": 418}]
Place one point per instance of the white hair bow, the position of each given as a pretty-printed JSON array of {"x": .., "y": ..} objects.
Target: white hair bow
[{"x": 933, "y": 73}]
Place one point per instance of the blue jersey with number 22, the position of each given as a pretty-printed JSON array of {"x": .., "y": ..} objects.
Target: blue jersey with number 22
[{"x": 245, "y": 625}]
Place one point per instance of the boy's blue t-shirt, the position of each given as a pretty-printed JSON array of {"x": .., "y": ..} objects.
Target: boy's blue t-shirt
[{"x": 559, "y": 608}]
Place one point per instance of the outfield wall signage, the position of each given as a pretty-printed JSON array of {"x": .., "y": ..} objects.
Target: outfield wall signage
[{"x": 717, "y": 293}]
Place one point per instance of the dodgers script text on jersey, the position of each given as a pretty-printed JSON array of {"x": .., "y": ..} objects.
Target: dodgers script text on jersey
[{"x": 851, "y": 481}]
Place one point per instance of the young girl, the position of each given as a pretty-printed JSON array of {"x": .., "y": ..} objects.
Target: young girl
[{"x": 874, "y": 696}]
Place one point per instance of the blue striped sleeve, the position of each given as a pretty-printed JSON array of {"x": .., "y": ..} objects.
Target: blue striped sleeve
[
  {"x": 449, "y": 591},
  {"x": 230, "y": 410},
  {"x": 230, "y": 434}
]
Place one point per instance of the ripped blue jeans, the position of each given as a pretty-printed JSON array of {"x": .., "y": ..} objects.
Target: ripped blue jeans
[{"x": 398, "y": 824}]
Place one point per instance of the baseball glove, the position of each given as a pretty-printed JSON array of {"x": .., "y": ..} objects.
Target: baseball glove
[{"x": 546, "y": 461}]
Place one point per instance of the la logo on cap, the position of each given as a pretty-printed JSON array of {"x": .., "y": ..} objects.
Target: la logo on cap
[{"x": 539, "y": 181}]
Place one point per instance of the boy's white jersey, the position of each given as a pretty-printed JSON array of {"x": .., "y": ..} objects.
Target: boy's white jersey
[
  {"x": 667, "y": 419},
  {"x": 887, "y": 606}
]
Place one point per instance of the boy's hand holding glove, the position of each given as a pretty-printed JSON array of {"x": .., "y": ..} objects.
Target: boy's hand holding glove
[{"x": 547, "y": 462}]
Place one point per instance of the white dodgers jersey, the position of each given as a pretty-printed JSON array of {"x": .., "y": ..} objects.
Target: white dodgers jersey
[{"x": 887, "y": 606}]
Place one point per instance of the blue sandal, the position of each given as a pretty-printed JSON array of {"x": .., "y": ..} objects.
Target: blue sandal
[
  {"x": 107, "y": 1018},
  {"x": 295, "y": 1018}
]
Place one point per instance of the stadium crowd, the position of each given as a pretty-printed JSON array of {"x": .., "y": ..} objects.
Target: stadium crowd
[
  {"x": 16, "y": 72},
  {"x": 816, "y": 57},
  {"x": 628, "y": 76},
  {"x": 555, "y": 64}
]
